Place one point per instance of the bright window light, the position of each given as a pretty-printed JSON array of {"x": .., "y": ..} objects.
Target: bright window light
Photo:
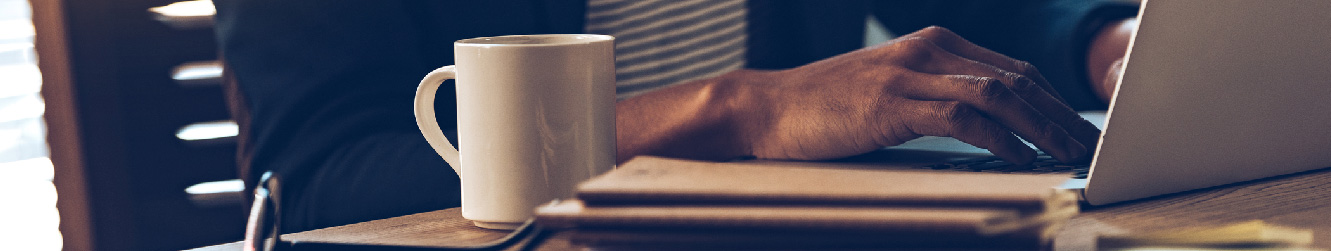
[
  {"x": 196, "y": 8},
  {"x": 208, "y": 130}
]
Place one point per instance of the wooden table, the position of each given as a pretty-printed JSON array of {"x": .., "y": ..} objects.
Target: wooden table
[{"x": 1300, "y": 200}]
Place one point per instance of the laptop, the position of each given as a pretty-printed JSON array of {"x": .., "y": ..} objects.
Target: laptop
[{"x": 1214, "y": 92}]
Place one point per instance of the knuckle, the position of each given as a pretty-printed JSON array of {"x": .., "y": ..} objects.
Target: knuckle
[
  {"x": 914, "y": 42},
  {"x": 936, "y": 31},
  {"x": 1026, "y": 68},
  {"x": 954, "y": 114},
  {"x": 987, "y": 90},
  {"x": 915, "y": 50},
  {"x": 1019, "y": 82}
]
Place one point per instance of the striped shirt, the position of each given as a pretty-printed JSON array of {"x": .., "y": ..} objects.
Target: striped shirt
[{"x": 663, "y": 42}]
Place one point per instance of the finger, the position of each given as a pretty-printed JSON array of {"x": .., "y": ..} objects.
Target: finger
[
  {"x": 960, "y": 121},
  {"x": 1048, "y": 107},
  {"x": 954, "y": 43},
  {"x": 993, "y": 98}
]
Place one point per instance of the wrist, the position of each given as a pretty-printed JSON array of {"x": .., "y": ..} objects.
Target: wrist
[
  {"x": 742, "y": 111},
  {"x": 709, "y": 119}
]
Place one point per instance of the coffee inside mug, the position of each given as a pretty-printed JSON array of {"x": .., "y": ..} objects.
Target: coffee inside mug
[{"x": 551, "y": 39}]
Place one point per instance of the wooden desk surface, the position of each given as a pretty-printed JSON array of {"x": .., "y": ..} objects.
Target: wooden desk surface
[{"x": 1300, "y": 200}]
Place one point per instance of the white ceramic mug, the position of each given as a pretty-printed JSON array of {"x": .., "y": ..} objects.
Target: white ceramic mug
[{"x": 536, "y": 116}]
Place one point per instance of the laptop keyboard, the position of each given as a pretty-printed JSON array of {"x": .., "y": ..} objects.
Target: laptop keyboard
[{"x": 1043, "y": 164}]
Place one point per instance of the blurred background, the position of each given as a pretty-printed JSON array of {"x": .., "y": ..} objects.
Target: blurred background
[
  {"x": 28, "y": 217},
  {"x": 128, "y": 94}
]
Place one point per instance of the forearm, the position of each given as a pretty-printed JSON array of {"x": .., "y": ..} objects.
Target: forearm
[
  {"x": 1109, "y": 45},
  {"x": 859, "y": 102},
  {"x": 695, "y": 120}
]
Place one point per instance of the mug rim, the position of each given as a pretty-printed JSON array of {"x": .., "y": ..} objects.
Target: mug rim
[{"x": 524, "y": 40}]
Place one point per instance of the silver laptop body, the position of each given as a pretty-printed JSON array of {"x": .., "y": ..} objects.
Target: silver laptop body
[
  {"x": 1217, "y": 92},
  {"x": 1214, "y": 92}
]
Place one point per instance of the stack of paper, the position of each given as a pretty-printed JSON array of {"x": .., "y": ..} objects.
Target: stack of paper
[{"x": 661, "y": 202}]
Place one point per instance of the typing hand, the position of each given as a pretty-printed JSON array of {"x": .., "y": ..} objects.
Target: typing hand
[{"x": 931, "y": 82}]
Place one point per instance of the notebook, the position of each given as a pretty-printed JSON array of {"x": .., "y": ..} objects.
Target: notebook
[{"x": 656, "y": 180}]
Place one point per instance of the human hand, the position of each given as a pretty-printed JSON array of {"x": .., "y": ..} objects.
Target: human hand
[
  {"x": 931, "y": 82},
  {"x": 1104, "y": 56}
]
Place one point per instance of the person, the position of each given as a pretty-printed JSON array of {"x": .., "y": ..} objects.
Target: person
[{"x": 328, "y": 85}]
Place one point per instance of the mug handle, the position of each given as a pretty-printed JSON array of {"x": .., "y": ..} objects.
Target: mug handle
[{"x": 425, "y": 119}]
